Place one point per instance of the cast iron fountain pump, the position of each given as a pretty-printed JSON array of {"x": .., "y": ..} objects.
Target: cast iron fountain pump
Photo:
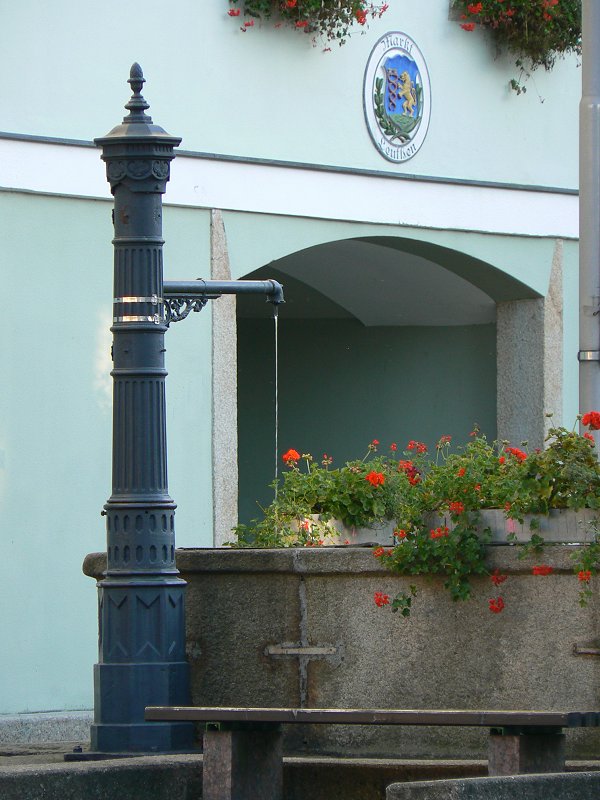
[{"x": 141, "y": 599}]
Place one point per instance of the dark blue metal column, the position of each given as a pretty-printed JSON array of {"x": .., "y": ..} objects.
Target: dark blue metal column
[{"x": 141, "y": 600}]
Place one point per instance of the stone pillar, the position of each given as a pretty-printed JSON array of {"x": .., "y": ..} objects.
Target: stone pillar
[
  {"x": 520, "y": 754},
  {"x": 553, "y": 343},
  {"x": 530, "y": 362},
  {"x": 243, "y": 764},
  {"x": 224, "y": 392}
]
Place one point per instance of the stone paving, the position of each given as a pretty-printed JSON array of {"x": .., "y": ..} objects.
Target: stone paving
[{"x": 36, "y": 753}]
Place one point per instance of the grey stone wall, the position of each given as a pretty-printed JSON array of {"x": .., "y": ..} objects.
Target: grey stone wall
[
  {"x": 159, "y": 778},
  {"x": 582, "y": 786},
  {"x": 52, "y": 726},
  {"x": 299, "y": 627}
]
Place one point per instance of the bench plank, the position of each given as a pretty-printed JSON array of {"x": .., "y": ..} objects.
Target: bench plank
[
  {"x": 365, "y": 716},
  {"x": 243, "y": 746}
]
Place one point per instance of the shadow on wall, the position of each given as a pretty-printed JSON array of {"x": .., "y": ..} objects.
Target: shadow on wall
[{"x": 341, "y": 385}]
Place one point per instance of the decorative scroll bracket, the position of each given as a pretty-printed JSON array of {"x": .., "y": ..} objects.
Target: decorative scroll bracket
[{"x": 178, "y": 308}]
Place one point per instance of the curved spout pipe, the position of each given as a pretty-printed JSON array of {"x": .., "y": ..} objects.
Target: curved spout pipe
[{"x": 210, "y": 290}]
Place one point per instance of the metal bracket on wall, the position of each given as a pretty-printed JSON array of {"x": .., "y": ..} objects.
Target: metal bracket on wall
[
  {"x": 587, "y": 648},
  {"x": 588, "y": 355},
  {"x": 178, "y": 308},
  {"x": 122, "y": 304}
]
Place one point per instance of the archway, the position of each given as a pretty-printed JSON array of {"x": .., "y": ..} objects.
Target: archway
[{"x": 381, "y": 338}]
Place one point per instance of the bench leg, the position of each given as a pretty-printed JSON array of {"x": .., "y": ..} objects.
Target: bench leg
[
  {"x": 242, "y": 765},
  {"x": 515, "y": 754}
]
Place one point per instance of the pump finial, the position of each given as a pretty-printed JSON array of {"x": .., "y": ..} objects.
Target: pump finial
[{"x": 136, "y": 105}]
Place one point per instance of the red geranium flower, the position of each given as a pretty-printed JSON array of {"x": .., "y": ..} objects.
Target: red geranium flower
[
  {"x": 291, "y": 457},
  {"x": 412, "y": 473},
  {"x": 381, "y": 599},
  {"x": 496, "y": 578},
  {"x": 457, "y": 507},
  {"x": 496, "y": 604},
  {"x": 234, "y": 12},
  {"x": 584, "y": 575},
  {"x": 542, "y": 569},
  {"x": 418, "y": 446},
  {"x": 591, "y": 420},
  {"x": 520, "y": 454},
  {"x": 375, "y": 478},
  {"x": 470, "y": 26}
]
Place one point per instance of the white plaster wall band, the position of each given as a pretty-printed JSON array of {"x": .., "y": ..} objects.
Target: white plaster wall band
[{"x": 67, "y": 169}]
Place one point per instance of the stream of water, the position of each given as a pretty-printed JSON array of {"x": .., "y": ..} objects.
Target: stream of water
[{"x": 276, "y": 331}]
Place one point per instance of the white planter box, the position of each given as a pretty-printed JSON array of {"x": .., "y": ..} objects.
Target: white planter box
[
  {"x": 334, "y": 532},
  {"x": 560, "y": 525}
]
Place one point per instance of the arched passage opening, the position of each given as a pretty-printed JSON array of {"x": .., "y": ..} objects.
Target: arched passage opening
[{"x": 380, "y": 338}]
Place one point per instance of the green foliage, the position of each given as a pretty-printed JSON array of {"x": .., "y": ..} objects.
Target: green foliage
[
  {"x": 403, "y": 602},
  {"x": 361, "y": 493},
  {"x": 434, "y": 502},
  {"x": 586, "y": 564},
  {"x": 537, "y": 32},
  {"x": 456, "y": 553},
  {"x": 566, "y": 474},
  {"x": 331, "y": 19}
]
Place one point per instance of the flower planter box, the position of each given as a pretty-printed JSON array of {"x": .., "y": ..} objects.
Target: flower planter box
[
  {"x": 334, "y": 532},
  {"x": 382, "y": 533},
  {"x": 561, "y": 525}
]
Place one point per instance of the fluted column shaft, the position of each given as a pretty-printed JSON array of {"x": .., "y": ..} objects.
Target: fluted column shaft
[{"x": 141, "y": 600}]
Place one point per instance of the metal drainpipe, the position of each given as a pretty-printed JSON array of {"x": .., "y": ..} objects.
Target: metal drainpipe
[
  {"x": 589, "y": 213},
  {"x": 141, "y": 599}
]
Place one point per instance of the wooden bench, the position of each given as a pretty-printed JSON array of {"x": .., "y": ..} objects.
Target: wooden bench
[{"x": 243, "y": 756}]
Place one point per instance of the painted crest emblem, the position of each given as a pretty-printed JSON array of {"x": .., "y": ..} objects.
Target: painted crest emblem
[{"x": 397, "y": 97}]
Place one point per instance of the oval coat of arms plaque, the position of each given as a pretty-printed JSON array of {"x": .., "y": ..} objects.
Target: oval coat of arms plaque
[{"x": 397, "y": 97}]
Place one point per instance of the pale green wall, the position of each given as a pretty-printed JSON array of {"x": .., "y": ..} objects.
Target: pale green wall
[
  {"x": 55, "y": 433},
  {"x": 55, "y": 409},
  {"x": 341, "y": 385},
  {"x": 268, "y": 93},
  {"x": 265, "y": 94},
  {"x": 258, "y": 239}
]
